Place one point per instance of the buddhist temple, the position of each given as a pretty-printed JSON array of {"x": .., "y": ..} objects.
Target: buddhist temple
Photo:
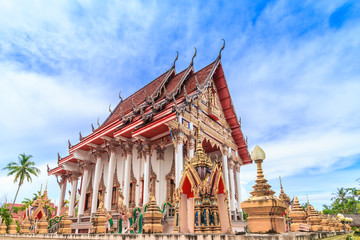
[{"x": 142, "y": 147}]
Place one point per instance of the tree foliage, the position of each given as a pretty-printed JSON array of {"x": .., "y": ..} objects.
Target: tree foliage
[
  {"x": 23, "y": 170},
  {"x": 345, "y": 200}
]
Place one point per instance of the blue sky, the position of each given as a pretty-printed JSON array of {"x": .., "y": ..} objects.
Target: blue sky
[{"x": 292, "y": 68}]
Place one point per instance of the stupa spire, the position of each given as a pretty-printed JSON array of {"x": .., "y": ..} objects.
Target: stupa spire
[{"x": 261, "y": 188}]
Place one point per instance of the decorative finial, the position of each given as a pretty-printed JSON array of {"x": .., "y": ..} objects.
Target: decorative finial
[
  {"x": 240, "y": 121},
  {"x": 59, "y": 158},
  {"x": 98, "y": 122},
  {"x": 281, "y": 187},
  {"x": 92, "y": 127},
  {"x": 197, "y": 83},
  {"x": 110, "y": 108},
  {"x": 185, "y": 93},
  {"x": 222, "y": 48},
  {"x": 80, "y": 136},
  {"x": 177, "y": 56},
  {"x": 121, "y": 113},
  {"x": 120, "y": 96},
  {"x": 258, "y": 154},
  {"x": 69, "y": 143},
  {"x": 48, "y": 168},
  {"x": 192, "y": 60}
]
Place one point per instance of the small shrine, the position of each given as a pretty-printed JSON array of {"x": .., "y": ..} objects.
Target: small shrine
[
  {"x": 3, "y": 227},
  {"x": 152, "y": 218},
  {"x": 201, "y": 204},
  {"x": 100, "y": 219},
  {"x": 314, "y": 220},
  {"x": 324, "y": 223},
  {"x": 263, "y": 208},
  {"x": 65, "y": 224},
  {"x": 12, "y": 227},
  {"x": 297, "y": 215},
  {"x": 25, "y": 226}
]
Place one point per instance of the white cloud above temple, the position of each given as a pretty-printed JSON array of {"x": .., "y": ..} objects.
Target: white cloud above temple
[{"x": 292, "y": 69}]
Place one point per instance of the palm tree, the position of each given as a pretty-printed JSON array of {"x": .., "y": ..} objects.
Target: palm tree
[
  {"x": 353, "y": 194},
  {"x": 23, "y": 169},
  {"x": 341, "y": 195}
]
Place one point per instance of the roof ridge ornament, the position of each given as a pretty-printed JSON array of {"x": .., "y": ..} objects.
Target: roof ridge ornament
[
  {"x": 192, "y": 60},
  {"x": 110, "y": 108},
  {"x": 98, "y": 121},
  {"x": 69, "y": 143},
  {"x": 120, "y": 96},
  {"x": 177, "y": 56},
  {"x": 92, "y": 127},
  {"x": 222, "y": 48},
  {"x": 80, "y": 136}
]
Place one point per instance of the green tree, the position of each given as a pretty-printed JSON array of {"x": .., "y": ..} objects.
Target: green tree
[
  {"x": 341, "y": 195},
  {"x": 5, "y": 214},
  {"x": 23, "y": 170},
  {"x": 354, "y": 193}
]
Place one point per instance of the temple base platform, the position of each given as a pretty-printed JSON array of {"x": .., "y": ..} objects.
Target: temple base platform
[{"x": 284, "y": 236}]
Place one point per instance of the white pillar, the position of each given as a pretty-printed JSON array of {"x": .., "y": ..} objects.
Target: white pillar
[
  {"x": 110, "y": 177},
  {"x": 238, "y": 188},
  {"x": 146, "y": 176},
  {"x": 62, "y": 194},
  {"x": 127, "y": 174},
  {"x": 226, "y": 172},
  {"x": 96, "y": 184},
  {"x": 74, "y": 182},
  {"x": 85, "y": 180},
  {"x": 232, "y": 182},
  {"x": 179, "y": 162}
]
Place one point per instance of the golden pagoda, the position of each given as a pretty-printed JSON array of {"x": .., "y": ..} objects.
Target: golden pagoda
[
  {"x": 25, "y": 226},
  {"x": 324, "y": 223},
  {"x": 298, "y": 216},
  {"x": 43, "y": 226},
  {"x": 152, "y": 218},
  {"x": 65, "y": 224},
  {"x": 314, "y": 220},
  {"x": 3, "y": 227},
  {"x": 263, "y": 208},
  {"x": 331, "y": 223},
  {"x": 100, "y": 219},
  {"x": 283, "y": 196},
  {"x": 12, "y": 227}
]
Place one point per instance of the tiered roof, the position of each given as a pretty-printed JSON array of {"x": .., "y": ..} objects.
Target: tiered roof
[{"x": 160, "y": 97}]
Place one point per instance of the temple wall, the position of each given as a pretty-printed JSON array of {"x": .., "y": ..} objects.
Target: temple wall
[{"x": 285, "y": 236}]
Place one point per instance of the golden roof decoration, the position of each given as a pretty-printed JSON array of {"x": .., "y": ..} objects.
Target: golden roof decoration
[{"x": 200, "y": 158}]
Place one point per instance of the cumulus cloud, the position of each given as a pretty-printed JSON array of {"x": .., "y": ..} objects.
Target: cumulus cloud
[{"x": 293, "y": 75}]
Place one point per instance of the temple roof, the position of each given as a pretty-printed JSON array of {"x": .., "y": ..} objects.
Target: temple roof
[{"x": 155, "y": 102}]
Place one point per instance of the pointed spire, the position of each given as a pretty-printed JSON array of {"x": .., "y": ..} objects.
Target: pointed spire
[
  {"x": 120, "y": 96},
  {"x": 281, "y": 187},
  {"x": 80, "y": 136},
  {"x": 192, "y": 60},
  {"x": 222, "y": 48},
  {"x": 177, "y": 56}
]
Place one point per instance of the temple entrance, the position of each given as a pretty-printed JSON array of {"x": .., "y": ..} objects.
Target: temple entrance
[{"x": 186, "y": 210}]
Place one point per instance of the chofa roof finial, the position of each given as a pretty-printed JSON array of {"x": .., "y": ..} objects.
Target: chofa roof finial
[
  {"x": 177, "y": 56},
  {"x": 192, "y": 60},
  {"x": 120, "y": 96},
  {"x": 222, "y": 48},
  {"x": 110, "y": 108}
]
